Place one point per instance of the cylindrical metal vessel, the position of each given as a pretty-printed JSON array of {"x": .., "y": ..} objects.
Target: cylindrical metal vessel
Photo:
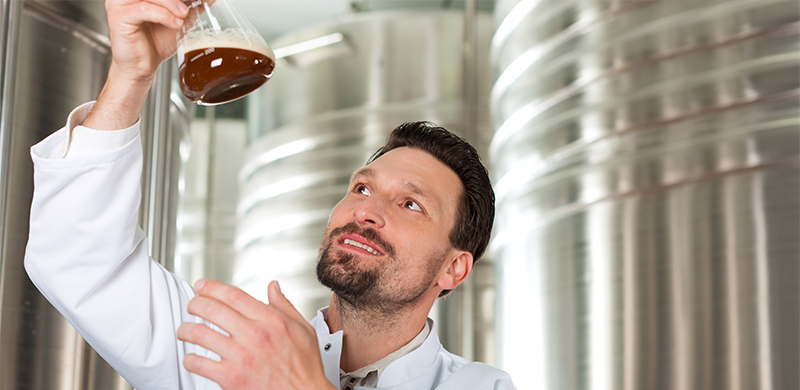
[
  {"x": 325, "y": 112},
  {"x": 646, "y": 162},
  {"x": 56, "y": 56}
]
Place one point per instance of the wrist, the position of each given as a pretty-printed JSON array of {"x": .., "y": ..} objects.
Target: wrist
[{"x": 120, "y": 102}]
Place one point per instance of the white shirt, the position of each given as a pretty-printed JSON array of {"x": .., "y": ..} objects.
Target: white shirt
[{"x": 89, "y": 258}]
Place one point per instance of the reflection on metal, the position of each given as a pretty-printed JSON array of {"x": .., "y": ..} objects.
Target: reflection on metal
[
  {"x": 208, "y": 196},
  {"x": 52, "y": 63},
  {"x": 311, "y": 44},
  {"x": 165, "y": 132},
  {"x": 465, "y": 331},
  {"x": 646, "y": 159},
  {"x": 86, "y": 33},
  {"x": 324, "y": 113}
]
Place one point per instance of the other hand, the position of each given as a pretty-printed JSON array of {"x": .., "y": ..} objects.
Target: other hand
[{"x": 271, "y": 346}]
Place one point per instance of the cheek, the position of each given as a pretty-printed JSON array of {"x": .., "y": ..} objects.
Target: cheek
[
  {"x": 338, "y": 212},
  {"x": 418, "y": 245}
]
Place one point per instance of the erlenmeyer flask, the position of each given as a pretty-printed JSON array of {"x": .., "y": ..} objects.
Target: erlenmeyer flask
[{"x": 221, "y": 57}]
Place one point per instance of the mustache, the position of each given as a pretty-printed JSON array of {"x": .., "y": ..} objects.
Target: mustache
[{"x": 369, "y": 234}]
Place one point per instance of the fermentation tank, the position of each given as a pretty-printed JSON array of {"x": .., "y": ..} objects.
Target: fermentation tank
[
  {"x": 645, "y": 159},
  {"x": 55, "y": 56},
  {"x": 338, "y": 92}
]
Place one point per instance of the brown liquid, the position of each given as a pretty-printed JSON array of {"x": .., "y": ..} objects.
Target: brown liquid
[{"x": 220, "y": 74}]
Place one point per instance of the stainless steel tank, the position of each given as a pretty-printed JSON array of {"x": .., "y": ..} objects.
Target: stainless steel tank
[
  {"x": 336, "y": 95},
  {"x": 646, "y": 159},
  {"x": 55, "y": 56}
]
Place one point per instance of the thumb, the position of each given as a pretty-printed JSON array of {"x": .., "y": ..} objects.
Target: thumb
[{"x": 279, "y": 301}]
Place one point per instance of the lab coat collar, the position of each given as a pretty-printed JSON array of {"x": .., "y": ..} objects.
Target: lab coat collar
[
  {"x": 417, "y": 364},
  {"x": 330, "y": 346},
  {"x": 414, "y": 365}
]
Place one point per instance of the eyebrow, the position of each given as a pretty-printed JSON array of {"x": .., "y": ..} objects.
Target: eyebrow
[{"x": 370, "y": 173}]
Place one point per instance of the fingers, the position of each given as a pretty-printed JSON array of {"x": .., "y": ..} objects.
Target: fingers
[
  {"x": 207, "y": 338},
  {"x": 236, "y": 299},
  {"x": 176, "y": 7},
  {"x": 203, "y": 366},
  {"x": 279, "y": 301},
  {"x": 145, "y": 12},
  {"x": 218, "y": 313},
  {"x": 182, "y": 8},
  {"x": 169, "y": 13},
  {"x": 270, "y": 344}
]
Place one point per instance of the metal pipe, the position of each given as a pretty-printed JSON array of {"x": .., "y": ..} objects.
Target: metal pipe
[
  {"x": 156, "y": 184},
  {"x": 470, "y": 71},
  {"x": 9, "y": 290},
  {"x": 10, "y": 17},
  {"x": 466, "y": 310},
  {"x": 211, "y": 164}
]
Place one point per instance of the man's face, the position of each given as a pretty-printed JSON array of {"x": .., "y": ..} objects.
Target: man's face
[{"x": 386, "y": 241}]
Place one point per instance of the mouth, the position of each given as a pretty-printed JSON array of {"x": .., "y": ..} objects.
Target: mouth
[{"x": 359, "y": 244}]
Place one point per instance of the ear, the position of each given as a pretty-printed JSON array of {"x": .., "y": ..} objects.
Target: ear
[{"x": 456, "y": 269}]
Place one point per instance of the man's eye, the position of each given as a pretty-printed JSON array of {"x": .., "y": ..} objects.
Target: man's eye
[
  {"x": 361, "y": 189},
  {"x": 412, "y": 205}
]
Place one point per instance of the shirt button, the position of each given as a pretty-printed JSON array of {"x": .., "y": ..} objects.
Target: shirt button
[{"x": 328, "y": 347}]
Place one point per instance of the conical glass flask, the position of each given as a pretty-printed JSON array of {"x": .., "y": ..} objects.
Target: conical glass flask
[{"x": 221, "y": 57}]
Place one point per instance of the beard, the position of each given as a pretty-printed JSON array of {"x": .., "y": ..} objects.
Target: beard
[
  {"x": 362, "y": 288},
  {"x": 337, "y": 269}
]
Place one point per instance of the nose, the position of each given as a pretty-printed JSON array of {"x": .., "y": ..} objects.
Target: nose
[{"x": 369, "y": 213}]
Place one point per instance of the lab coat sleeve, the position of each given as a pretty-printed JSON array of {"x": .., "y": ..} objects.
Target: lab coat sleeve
[{"x": 88, "y": 256}]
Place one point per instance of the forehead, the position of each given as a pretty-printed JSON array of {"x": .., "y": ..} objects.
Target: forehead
[{"x": 419, "y": 172}]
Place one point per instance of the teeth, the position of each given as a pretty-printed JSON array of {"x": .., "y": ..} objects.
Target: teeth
[{"x": 348, "y": 241}]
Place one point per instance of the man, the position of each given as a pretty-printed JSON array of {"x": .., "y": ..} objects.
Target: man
[{"x": 408, "y": 230}]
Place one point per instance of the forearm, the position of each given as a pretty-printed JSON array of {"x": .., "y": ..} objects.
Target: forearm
[{"x": 120, "y": 102}]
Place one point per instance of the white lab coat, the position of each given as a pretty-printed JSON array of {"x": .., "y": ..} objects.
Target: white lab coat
[{"x": 89, "y": 258}]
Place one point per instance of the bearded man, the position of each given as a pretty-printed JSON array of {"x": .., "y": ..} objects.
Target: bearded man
[{"x": 409, "y": 229}]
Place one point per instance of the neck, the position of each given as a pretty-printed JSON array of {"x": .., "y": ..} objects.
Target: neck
[{"x": 371, "y": 335}]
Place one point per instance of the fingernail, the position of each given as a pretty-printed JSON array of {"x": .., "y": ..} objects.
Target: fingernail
[
  {"x": 182, "y": 7},
  {"x": 198, "y": 285},
  {"x": 278, "y": 285}
]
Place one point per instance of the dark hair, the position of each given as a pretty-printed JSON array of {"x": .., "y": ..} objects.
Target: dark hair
[{"x": 475, "y": 211}]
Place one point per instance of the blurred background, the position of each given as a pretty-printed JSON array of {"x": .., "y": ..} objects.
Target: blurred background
[{"x": 645, "y": 157}]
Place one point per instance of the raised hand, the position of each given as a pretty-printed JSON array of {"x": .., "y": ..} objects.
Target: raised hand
[
  {"x": 143, "y": 35},
  {"x": 269, "y": 347}
]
